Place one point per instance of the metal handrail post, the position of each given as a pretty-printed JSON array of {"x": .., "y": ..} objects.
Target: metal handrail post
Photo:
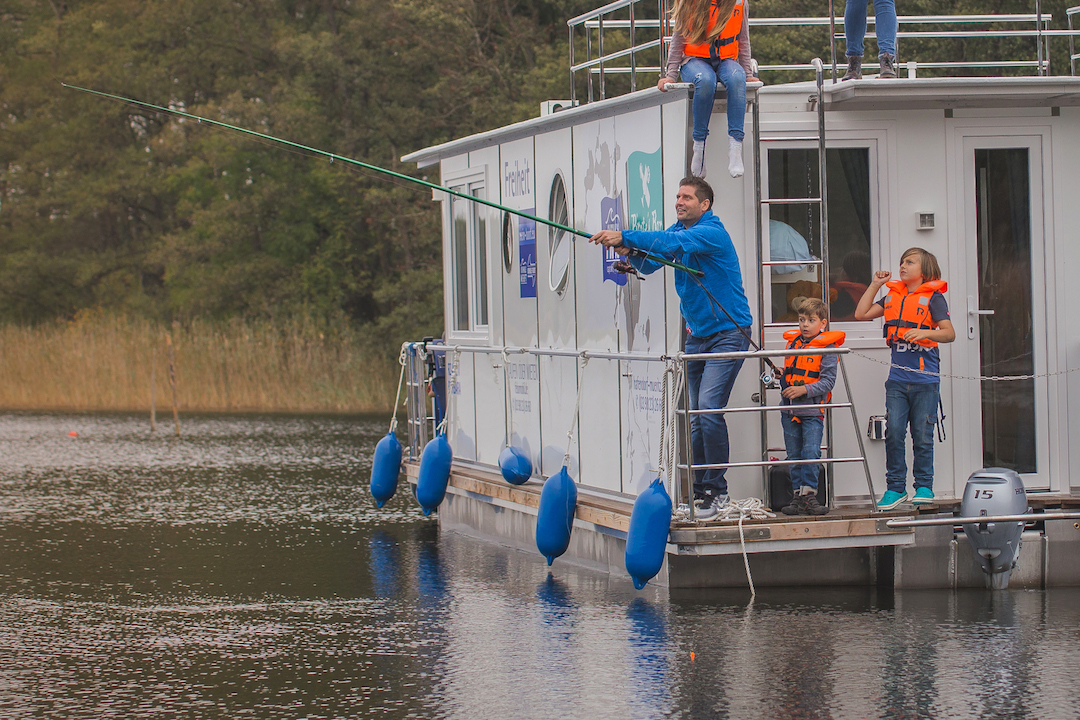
[
  {"x": 832, "y": 38},
  {"x": 1038, "y": 36},
  {"x": 760, "y": 235},
  {"x": 688, "y": 443},
  {"x": 823, "y": 182},
  {"x": 600, "y": 45},
  {"x": 858, "y": 433},
  {"x": 573, "y": 91},
  {"x": 633, "y": 55},
  {"x": 1072, "y": 47},
  {"x": 588, "y": 56}
]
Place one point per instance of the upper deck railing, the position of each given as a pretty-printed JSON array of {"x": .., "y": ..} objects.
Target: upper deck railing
[{"x": 633, "y": 55}]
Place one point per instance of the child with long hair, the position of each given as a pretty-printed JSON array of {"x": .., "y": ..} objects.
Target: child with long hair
[{"x": 710, "y": 42}]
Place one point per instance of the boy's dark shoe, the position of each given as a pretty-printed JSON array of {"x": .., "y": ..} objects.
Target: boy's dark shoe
[
  {"x": 796, "y": 507},
  {"x": 888, "y": 66},
  {"x": 854, "y": 68},
  {"x": 811, "y": 506}
]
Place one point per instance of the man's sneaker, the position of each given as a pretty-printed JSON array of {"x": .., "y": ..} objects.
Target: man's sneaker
[
  {"x": 923, "y": 496},
  {"x": 888, "y": 66},
  {"x": 706, "y": 508},
  {"x": 854, "y": 68},
  {"x": 811, "y": 506},
  {"x": 796, "y": 506},
  {"x": 891, "y": 499}
]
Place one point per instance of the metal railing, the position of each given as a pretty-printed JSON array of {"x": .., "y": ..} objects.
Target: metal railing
[
  {"x": 625, "y": 60},
  {"x": 420, "y": 422},
  {"x": 1073, "y": 56}
]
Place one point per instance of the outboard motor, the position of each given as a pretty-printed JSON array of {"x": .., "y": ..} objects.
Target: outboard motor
[{"x": 995, "y": 491}]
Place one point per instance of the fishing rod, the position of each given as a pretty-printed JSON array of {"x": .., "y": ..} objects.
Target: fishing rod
[{"x": 333, "y": 156}]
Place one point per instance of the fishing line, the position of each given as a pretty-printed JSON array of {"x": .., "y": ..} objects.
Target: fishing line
[{"x": 374, "y": 168}]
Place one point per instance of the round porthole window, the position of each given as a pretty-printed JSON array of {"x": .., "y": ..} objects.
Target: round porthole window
[
  {"x": 507, "y": 243},
  {"x": 560, "y": 244}
]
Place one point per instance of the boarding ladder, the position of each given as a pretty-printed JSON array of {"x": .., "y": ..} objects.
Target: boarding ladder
[{"x": 765, "y": 265}]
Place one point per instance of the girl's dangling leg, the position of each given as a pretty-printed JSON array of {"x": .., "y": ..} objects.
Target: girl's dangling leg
[
  {"x": 701, "y": 73},
  {"x": 733, "y": 77}
]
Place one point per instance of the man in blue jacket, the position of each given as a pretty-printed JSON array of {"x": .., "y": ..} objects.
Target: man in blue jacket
[{"x": 699, "y": 240}]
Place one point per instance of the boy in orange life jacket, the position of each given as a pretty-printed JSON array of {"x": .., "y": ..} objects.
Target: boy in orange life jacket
[
  {"x": 916, "y": 320},
  {"x": 808, "y": 380}
]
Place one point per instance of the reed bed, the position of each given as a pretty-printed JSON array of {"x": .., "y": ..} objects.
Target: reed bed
[{"x": 102, "y": 362}]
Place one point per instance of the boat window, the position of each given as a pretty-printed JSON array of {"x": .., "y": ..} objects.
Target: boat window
[
  {"x": 559, "y": 244},
  {"x": 794, "y": 231},
  {"x": 469, "y": 259},
  {"x": 507, "y": 243}
]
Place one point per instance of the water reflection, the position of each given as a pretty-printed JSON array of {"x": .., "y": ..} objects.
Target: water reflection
[{"x": 243, "y": 571}]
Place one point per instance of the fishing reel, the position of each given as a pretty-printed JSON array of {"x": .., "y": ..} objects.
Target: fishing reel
[
  {"x": 769, "y": 380},
  {"x": 625, "y": 268}
]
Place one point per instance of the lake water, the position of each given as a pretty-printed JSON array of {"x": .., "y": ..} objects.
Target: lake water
[{"x": 243, "y": 571}]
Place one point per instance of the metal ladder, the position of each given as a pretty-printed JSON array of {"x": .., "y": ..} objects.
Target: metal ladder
[{"x": 765, "y": 265}]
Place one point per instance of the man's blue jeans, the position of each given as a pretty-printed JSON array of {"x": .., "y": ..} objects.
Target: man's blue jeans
[
  {"x": 885, "y": 26},
  {"x": 710, "y": 383},
  {"x": 802, "y": 440},
  {"x": 914, "y": 405},
  {"x": 704, "y": 73}
]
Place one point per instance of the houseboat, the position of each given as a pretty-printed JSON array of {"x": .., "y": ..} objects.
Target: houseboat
[{"x": 550, "y": 349}]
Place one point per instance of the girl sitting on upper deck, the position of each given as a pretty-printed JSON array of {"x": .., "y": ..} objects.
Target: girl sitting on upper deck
[{"x": 711, "y": 40}]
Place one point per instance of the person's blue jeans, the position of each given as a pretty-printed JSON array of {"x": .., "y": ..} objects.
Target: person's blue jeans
[
  {"x": 914, "y": 405},
  {"x": 802, "y": 440},
  {"x": 885, "y": 26},
  {"x": 704, "y": 74},
  {"x": 710, "y": 383}
]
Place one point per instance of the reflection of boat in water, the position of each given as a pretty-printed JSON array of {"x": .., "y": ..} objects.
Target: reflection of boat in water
[{"x": 544, "y": 335}]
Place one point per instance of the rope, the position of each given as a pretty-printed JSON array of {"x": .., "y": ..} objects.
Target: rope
[
  {"x": 577, "y": 409},
  {"x": 401, "y": 377},
  {"x": 754, "y": 509},
  {"x": 670, "y": 397},
  {"x": 509, "y": 399},
  {"x": 993, "y": 378},
  {"x": 455, "y": 359}
]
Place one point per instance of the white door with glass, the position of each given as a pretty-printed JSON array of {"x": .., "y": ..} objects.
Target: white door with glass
[{"x": 997, "y": 297}]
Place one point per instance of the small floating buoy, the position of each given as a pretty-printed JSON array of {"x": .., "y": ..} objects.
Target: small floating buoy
[
  {"x": 555, "y": 517},
  {"x": 515, "y": 465},
  {"x": 646, "y": 540},
  {"x": 73, "y": 434},
  {"x": 385, "y": 469},
  {"x": 434, "y": 473}
]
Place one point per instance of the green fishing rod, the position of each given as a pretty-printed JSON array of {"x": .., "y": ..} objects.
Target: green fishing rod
[{"x": 375, "y": 168}]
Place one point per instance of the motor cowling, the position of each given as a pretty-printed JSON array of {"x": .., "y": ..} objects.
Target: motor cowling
[{"x": 990, "y": 492}]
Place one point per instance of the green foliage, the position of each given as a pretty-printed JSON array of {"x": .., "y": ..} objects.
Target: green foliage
[{"x": 109, "y": 206}]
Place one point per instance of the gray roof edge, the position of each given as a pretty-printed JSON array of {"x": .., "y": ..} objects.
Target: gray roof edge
[{"x": 641, "y": 99}]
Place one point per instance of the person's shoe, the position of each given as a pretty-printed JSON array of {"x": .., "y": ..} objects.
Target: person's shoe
[
  {"x": 923, "y": 496},
  {"x": 735, "y": 166},
  {"x": 891, "y": 499},
  {"x": 795, "y": 507},
  {"x": 888, "y": 66},
  {"x": 811, "y": 506},
  {"x": 854, "y": 68},
  {"x": 697, "y": 164},
  {"x": 707, "y": 507}
]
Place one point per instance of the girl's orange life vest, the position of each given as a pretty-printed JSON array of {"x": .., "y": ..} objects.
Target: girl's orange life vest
[
  {"x": 806, "y": 369},
  {"x": 905, "y": 310},
  {"x": 724, "y": 46}
]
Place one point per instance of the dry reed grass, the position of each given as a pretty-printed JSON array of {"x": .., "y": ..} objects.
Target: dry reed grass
[{"x": 105, "y": 362}]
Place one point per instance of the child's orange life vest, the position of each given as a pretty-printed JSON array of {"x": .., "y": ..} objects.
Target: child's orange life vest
[
  {"x": 724, "y": 46},
  {"x": 905, "y": 310},
  {"x": 806, "y": 369}
]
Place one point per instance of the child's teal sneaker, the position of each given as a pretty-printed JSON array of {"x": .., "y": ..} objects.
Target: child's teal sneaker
[
  {"x": 923, "y": 496},
  {"x": 891, "y": 499}
]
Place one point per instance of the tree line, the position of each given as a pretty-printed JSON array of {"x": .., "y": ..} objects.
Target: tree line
[{"x": 108, "y": 206}]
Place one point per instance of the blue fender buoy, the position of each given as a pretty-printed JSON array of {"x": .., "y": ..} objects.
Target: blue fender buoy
[
  {"x": 555, "y": 518},
  {"x": 515, "y": 465},
  {"x": 385, "y": 468},
  {"x": 434, "y": 473},
  {"x": 646, "y": 541}
]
